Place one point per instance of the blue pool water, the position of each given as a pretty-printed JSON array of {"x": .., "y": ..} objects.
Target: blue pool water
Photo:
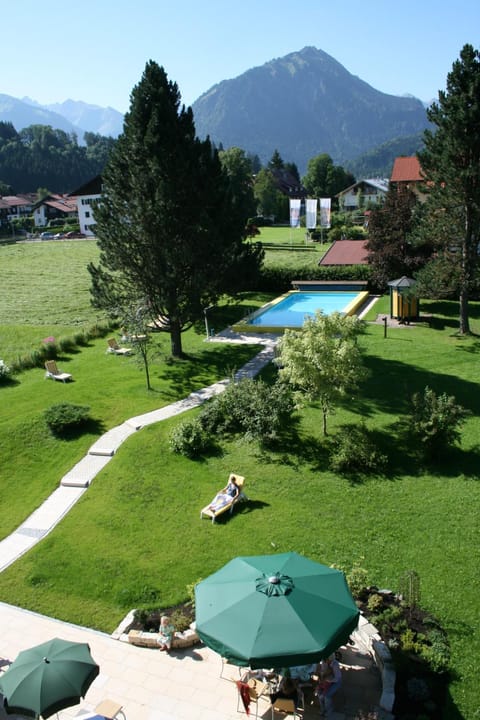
[{"x": 292, "y": 310}]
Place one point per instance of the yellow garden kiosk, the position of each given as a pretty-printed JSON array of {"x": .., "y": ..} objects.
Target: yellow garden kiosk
[{"x": 404, "y": 305}]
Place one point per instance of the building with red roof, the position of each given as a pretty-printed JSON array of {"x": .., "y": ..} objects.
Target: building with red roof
[
  {"x": 346, "y": 252},
  {"x": 407, "y": 172}
]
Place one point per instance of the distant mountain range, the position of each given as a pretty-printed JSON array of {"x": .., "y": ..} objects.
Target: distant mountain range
[
  {"x": 70, "y": 116},
  {"x": 302, "y": 105}
]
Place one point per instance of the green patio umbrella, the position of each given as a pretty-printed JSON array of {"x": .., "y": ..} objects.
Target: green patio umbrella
[
  {"x": 48, "y": 678},
  {"x": 274, "y": 611}
]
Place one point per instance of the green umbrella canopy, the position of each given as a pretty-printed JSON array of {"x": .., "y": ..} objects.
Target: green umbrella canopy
[
  {"x": 274, "y": 611},
  {"x": 48, "y": 678}
]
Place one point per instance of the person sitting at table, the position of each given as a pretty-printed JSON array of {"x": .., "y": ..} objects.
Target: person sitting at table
[
  {"x": 287, "y": 689},
  {"x": 227, "y": 495},
  {"x": 329, "y": 681},
  {"x": 165, "y": 633}
]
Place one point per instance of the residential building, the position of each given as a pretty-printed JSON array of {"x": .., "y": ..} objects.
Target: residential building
[
  {"x": 363, "y": 194},
  {"x": 86, "y": 196},
  {"x": 407, "y": 172},
  {"x": 54, "y": 207}
]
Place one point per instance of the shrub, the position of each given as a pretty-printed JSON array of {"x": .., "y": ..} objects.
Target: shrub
[
  {"x": 180, "y": 620},
  {"x": 189, "y": 439},
  {"x": 279, "y": 279},
  {"x": 436, "y": 420},
  {"x": 353, "y": 451},
  {"x": 252, "y": 408},
  {"x": 375, "y": 602},
  {"x": 5, "y": 372},
  {"x": 64, "y": 418},
  {"x": 66, "y": 345}
]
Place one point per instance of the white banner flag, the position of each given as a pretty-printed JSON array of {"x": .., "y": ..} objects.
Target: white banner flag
[
  {"x": 311, "y": 213},
  {"x": 325, "y": 212},
  {"x": 294, "y": 213}
]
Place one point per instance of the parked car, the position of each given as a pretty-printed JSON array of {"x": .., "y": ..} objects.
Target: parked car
[
  {"x": 73, "y": 234},
  {"x": 46, "y": 235}
]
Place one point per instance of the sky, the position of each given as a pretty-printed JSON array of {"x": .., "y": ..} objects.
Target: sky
[{"x": 96, "y": 50}]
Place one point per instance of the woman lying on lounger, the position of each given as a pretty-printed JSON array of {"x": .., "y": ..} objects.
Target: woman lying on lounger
[{"x": 226, "y": 496}]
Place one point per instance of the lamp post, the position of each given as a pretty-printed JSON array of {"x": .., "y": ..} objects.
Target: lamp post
[{"x": 205, "y": 311}]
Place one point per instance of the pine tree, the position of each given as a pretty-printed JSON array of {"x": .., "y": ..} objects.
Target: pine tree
[
  {"x": 451, "y": 165},
  {"x": 167, "y": 229}
]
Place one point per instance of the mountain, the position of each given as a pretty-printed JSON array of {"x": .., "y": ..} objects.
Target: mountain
[
  {"x": 103, "y": 121},
  {"x": 23, "y": 114},
  {"x": 70, "y": 116},
  {"x": 304, "y": 104},
  {"x": 379, "y": 161}
]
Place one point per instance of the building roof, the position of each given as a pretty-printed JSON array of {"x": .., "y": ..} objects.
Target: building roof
[
  {"x": 378, "y": 183},
  {"x": 64, "y": 203},
  {"x": 92, "y": 187},
  {"x": 406, "y": 169},
  {"x": 346, "y": 252},
  {"x": 16, "y": 200}
]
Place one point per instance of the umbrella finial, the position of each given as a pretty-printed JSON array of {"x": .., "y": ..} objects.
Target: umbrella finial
[
  {"x": 276, "y": 584},
  {"x": 46, "y": 660}
]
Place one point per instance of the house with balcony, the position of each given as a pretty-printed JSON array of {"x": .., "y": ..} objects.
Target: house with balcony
[
  {"x": 54, "y": 207},
  {"x": 363, "y": 194},
  {"x": 15, "y": 207}
]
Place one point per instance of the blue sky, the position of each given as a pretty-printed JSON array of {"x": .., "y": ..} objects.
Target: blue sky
[{"x": 96, "y": 50}]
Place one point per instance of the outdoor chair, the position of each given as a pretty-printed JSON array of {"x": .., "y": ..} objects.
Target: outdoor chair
[
  {"x": 54, "y": 373},
  {"x": 285, "y": 706},
  {"x": 115, "y": 349},
  {"x": 213, "y": 514},
  {"x": 250, "y": 692}
]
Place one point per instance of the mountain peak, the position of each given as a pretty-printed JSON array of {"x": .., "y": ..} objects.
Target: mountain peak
[{"x": 304, "y": 104}]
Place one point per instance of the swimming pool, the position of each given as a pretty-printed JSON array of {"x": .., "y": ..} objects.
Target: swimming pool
[{"x": 291, "y": 309}]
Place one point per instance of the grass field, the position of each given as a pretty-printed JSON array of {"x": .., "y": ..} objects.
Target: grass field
[{"x": 141, "y": 514}]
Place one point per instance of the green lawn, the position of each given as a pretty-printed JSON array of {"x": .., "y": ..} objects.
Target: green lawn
[
  {"x": 287, "y": 247},
  {"x": 141, "y": 514}
]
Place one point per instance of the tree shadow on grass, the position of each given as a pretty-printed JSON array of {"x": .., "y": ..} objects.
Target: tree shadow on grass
[
  {"x": 194, "y": 372},
  {"x": 384, "y": 374}
]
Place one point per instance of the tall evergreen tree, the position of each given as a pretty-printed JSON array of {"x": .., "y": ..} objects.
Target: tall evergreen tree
[
  {"x": 451, "y": 165},
  {"x": 167, "y": 226}
]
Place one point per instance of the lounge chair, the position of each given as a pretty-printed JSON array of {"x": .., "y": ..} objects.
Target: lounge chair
[
  {"x": 115, "y": 349},
  {"x": 54, "y": 373},
  {"x": 208, "y": 511}
]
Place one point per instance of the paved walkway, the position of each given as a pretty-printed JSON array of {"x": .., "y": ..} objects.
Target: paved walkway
[{"x": 149, "y": 684}]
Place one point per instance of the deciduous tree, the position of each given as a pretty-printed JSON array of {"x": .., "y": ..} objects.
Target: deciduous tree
[{"x": 323, "y": 359}]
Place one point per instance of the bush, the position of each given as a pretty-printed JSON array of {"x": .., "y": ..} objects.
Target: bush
[
  {"x": 66, "y": 417},
  {"x": 252, "y": 408},
  {"x": 5, "y": 372},
  {"x": 353, "y": 451},
  {"x": 436, "y": 420},
  {"x": 189, "y": 439}
]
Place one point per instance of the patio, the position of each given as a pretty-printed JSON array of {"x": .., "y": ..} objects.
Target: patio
[{"x": 151, "y": 685}]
